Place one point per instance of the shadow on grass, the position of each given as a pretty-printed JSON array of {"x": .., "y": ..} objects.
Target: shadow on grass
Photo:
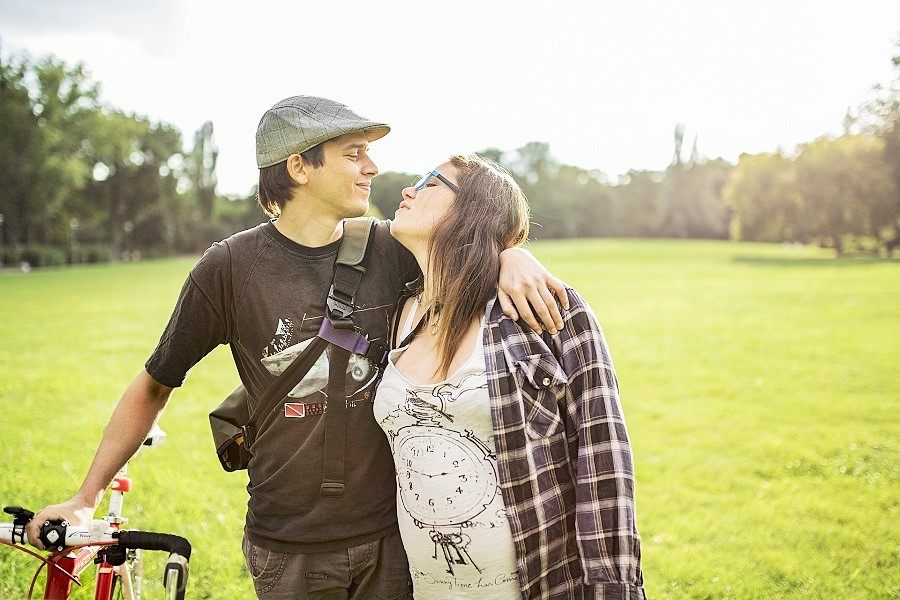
[{"x": 844, "y": 261}]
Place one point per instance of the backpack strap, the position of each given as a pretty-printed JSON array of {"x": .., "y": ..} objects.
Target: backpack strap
[
  {"x": 337, "y": 328},
  {"x": 349, "y": 269}
]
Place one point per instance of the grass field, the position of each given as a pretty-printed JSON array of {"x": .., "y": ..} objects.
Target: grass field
[{"x": 761, "y": 385}]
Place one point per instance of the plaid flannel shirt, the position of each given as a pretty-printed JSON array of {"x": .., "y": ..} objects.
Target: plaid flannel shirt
[{"x": 564, "y": 458}]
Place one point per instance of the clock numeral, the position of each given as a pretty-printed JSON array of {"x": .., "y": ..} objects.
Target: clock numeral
[
  {"x": 431, "y": 502},
  {"x": 458, "y": 490},
  {"x": 464, "y": 478}
]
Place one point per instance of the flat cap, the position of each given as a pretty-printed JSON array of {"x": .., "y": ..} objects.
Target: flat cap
[{"x": 298, "y": 123}]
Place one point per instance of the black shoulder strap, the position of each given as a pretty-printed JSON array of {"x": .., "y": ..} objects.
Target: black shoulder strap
[
  {"x": 337, "y": 328},
  {"x": 395, "y": 324}
]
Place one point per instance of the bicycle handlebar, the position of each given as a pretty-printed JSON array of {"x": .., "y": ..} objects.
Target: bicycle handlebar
[
  {"x": 59, "y": 534},
  {"x": 147, "y": 540},
  {"x": 179, "y": 550}
]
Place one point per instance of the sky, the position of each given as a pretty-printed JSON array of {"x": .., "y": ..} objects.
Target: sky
[{"x": 603, "y": 83}]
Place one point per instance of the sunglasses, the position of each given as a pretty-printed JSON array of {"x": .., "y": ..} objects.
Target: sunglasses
[{"x": 421, "y": 183}]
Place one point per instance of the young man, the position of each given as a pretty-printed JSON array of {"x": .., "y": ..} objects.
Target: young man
[{"x": 263, "y": 292}]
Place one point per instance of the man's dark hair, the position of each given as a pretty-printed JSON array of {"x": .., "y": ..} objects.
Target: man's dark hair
[{"x": 275, "y": 184}]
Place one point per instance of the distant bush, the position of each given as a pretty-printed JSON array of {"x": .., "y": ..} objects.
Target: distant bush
[
  {"x": 35, "y": 255},
  {"x": 38, "y": 255},
  {"x": 90, "y": 253}
]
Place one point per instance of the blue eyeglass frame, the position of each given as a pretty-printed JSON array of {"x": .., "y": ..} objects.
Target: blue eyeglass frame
[{"x": 421, "y": 183}]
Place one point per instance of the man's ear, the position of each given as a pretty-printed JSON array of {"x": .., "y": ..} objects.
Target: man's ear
[{"x": 297, "y": 169}]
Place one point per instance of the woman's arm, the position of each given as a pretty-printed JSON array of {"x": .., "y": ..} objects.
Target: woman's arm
[{"x": 607, "y": 534}]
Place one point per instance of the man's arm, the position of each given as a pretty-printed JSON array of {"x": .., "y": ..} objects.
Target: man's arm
[
  {"x": 131, "y": 422},
  {"x": 525, "y": 285}
]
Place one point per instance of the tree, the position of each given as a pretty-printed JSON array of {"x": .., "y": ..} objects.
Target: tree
[
  {"x": 43, "y": 157},
  {"x": 691, "y": 194},
  {"x": 846, "y": 189},
  {"x": 134, "y": 191},
  {"x": 20, "y": 137},
  {"x": 890, "y": 133},
  {"x": 386, "y": 189},
  {"x": 762, "y": 194},
  {"x": 880, "y": 116},
  {"x": 201, "y": 168}
]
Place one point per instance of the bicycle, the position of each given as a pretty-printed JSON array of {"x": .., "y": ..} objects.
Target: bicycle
[{"x": 115, "y": 550}]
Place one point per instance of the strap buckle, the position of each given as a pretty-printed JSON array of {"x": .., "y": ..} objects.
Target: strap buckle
[
  {"x": 332, "y": 490},
  {"x": 249, "y": 436},
  {"x": 340, "y": 309}
]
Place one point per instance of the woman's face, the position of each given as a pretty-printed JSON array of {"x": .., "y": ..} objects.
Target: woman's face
[{"x": 422, "y": 209}]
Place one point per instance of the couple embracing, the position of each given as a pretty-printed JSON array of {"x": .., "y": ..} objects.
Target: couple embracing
[{"x": 493, "y": 461}]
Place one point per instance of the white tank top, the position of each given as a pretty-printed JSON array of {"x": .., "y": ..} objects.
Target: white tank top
[{"x": 451, "y": 514}]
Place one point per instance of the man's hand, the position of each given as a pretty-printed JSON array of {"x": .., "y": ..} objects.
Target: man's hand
[
  {"x": 525, "y": 285},
  {"x": 75, "y": 511}
]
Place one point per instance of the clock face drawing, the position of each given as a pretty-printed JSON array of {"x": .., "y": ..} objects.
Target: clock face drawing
[{"x": 445, "y": 477}]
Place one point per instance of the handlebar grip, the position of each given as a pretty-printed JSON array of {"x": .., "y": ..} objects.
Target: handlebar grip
[{"x": 147, "y": 540}]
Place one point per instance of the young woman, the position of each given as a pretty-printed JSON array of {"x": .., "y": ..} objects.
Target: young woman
[{"x": 514, "y": 467}]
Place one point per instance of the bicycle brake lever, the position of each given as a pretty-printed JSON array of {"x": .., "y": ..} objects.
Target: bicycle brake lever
[{"x": 21, "y": 516}]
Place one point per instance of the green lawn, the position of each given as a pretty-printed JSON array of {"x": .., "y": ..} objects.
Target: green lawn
[{"x": 760, "y": 384}]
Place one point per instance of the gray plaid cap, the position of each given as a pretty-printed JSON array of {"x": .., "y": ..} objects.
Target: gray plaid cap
[{"x": 298, "y": 123}]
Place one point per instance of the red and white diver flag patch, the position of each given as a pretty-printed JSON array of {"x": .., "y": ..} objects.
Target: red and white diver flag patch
[{"x": 294, "y": 410}]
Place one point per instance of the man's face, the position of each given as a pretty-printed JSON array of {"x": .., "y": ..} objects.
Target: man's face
[{"x": 343, "y": 183}]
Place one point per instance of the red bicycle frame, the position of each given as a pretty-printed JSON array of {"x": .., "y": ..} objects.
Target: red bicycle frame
[{"x": 60, "y": 586}]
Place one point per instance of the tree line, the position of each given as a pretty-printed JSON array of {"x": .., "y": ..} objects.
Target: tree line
[{"x": 84, "y": 182}]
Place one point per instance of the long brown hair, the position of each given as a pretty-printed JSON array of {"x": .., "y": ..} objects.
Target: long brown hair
[{"x": 489, "y": 215}]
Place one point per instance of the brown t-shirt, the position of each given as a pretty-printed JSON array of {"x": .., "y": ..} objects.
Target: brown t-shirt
[{"x": 264, "y": 295}]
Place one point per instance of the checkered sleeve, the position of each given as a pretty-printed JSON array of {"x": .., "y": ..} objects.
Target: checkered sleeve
[{"x": 607, "y": 535}]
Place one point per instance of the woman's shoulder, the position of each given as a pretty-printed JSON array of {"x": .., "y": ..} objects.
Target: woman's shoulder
[
  {"x": 580, "y": 327},
  {"x": 578, "y": 310}
]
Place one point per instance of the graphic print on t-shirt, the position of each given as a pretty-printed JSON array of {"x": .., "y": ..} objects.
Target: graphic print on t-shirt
[
  {"x": 446, "y": 476},
  {"x": 282, "y": 351}
]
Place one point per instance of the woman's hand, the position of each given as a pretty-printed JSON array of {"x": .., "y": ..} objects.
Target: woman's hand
[{"x": 526, "y": 288}]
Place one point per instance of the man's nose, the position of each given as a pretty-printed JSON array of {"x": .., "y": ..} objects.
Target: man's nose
[{"x": 369, "y": 167}]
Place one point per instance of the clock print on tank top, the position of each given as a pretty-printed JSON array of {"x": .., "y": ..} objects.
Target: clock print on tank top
[{"x": 451, "y": 514}]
